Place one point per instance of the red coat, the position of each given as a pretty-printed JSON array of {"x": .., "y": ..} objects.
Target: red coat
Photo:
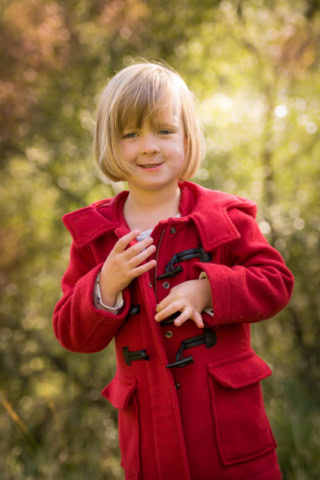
[{"x": 205, "y": 420}]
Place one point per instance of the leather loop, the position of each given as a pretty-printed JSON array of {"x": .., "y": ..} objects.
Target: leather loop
[
  {"x": 181, "y": 363},
  {"x": 171, "y": 271},
  {"x": 171, "y": 319},
  {"x": 208, "y": 338}
]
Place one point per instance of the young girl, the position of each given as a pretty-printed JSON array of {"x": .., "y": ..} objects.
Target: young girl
[{"x": 175, "y": 273}]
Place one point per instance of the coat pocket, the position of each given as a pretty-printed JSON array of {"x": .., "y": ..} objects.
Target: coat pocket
[
  {"x": 242, "y": 428},
  {"x": 121, "y": 392}
]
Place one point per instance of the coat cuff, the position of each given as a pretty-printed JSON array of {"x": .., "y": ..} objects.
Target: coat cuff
[
  {"x": 218, "y": 276},
  {"x": 79, "y": 325}
]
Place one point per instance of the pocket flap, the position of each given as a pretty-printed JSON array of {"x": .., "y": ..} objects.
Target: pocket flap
[
  {"x": 119, "y": 391},
  {"x": 241, "y": 371}
]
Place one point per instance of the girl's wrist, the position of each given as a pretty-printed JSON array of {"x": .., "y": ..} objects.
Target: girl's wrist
[
  {"x": 108, "y": 298},
  {"x": 206, "y": 291}
]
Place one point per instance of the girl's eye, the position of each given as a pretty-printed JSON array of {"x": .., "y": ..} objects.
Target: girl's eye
[
  {"x": 130, "y": 135},
  {"x": 164, "y": 132}
]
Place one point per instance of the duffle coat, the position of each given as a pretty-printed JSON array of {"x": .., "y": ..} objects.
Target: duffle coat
[{"x": 205, "y": 420}]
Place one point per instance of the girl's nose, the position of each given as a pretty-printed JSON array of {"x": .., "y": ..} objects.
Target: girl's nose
[{"x": 150, "y": 145}]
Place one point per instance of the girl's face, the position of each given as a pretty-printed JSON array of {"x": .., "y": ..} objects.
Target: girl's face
[{"x": 156, "y": 150}]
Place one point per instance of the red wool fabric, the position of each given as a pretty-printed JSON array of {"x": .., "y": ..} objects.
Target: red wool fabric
[{"x": 207, "y": 420}]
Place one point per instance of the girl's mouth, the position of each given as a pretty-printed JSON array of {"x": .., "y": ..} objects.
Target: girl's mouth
[{"x": 150, "y": 166}]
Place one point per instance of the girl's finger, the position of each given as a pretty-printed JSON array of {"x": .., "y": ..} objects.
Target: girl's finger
[
  {"x": 185, "y": 315},
  {"x": 124, "y": 241},
  {"x": 167, "y": 311},
  {"x": 140, "y": 257},
  {"x": 137, "y": 248},
  {"x": 197, "y": 318},
  {"x": 136, "y": 272},
  {"x": 166, "y": 302}
]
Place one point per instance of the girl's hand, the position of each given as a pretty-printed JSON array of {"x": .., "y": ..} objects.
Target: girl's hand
[
  {"x": 190, "y": 298},
  {"x": 123, "y": 265}
]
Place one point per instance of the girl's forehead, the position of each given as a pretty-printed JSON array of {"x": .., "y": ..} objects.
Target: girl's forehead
[{"x": 166, "y": 109}]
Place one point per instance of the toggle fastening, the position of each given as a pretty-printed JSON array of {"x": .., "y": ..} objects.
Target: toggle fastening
[
  {"x": 132, "y": 356},
  {"x": 171, "y": 271},
  {"x": 209, "y": 338}
]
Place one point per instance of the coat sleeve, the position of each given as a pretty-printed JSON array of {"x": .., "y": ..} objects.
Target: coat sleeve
[
  {"x": 77, "y": 324},
  {"x": 255, "y": 284}
]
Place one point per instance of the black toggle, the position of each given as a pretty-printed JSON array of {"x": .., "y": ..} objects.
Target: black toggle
[
  {"x": 171, "y": 271},
  {"x": 134, "y": 310},
  {"x": 171, "y": 319},
  {"x": 132, "y": 356},
  {"x": 209, "y": 338}
]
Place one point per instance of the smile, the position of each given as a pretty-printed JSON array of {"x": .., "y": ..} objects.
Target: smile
[{"x": 150, "y": 165}]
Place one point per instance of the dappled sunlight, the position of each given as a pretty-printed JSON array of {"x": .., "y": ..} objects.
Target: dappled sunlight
[{"x": 255, "y": 70}]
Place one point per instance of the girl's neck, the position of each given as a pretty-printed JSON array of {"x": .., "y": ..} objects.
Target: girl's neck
[{"x": 145, "y": 211}]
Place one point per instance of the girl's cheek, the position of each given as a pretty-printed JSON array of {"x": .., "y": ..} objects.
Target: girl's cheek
[{"x": 179, "y": 151}]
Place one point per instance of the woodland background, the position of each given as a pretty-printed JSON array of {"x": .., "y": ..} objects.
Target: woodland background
[{"x": 254, "y": 66}]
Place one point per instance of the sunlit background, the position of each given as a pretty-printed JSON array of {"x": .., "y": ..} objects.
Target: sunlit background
[{"x": 254, "y": 67}]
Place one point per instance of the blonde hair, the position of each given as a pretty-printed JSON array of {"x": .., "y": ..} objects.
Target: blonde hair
[{"x": 135, "y": 93}]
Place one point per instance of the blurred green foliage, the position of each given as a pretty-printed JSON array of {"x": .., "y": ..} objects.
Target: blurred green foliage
[{"x": 255, "y": 68}]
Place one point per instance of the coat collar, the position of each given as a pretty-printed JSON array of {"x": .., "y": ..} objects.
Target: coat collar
[
  {"x": 210, "y": 214},
  {"x": 208, "y": 209},
  {"x": 88, "y": 223}
]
